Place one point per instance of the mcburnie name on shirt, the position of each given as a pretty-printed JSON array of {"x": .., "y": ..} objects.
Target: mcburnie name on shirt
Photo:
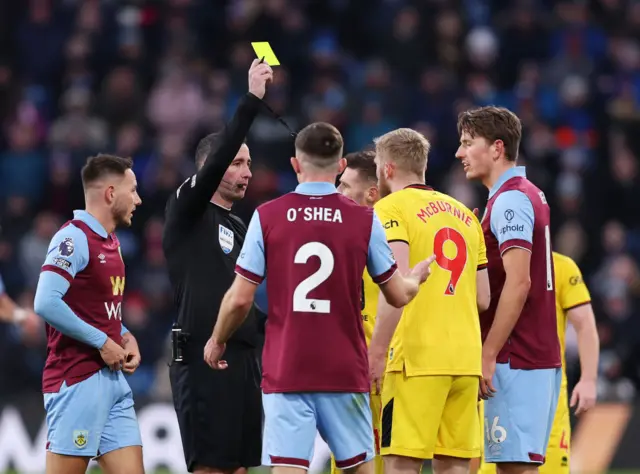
[{"x": 325, "y": 214}]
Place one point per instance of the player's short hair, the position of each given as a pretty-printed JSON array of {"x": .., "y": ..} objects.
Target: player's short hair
[
  {"x": 101, "y": 165},
  {"x": 364, "y": 163},
  {"x": 209, "y": 145},
  {"x": 321, "y": 143},
  {"x": 493, "y": 123},
  {"x": 406, "y": 147}
]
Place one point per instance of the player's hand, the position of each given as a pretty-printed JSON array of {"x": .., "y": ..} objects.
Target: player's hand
[
  {"x": 132, "y": 362},
  {"x": 259, "y": 75},
  {"x": 487, "y": 389},
  {"x": 113, "y": 354},
  {"x": 133, "y": 359},
  {"x": 422, "y": 271},
  {"x": 584, "y": 396},
  {"x": 476, "y": 212},
  {"x": 377, "y": 364},
  {"x": 31, "y": 328},
  {"x": 212, "y": 354}
]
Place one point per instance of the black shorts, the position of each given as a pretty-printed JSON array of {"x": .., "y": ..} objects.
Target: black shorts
[{"x": 219, "y": 411}]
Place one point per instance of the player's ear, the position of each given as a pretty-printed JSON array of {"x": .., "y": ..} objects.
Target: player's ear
[
  {"x": 498, "y": 147},
  {"x": 372, "y": 194},
  {"x": 110, "y": 194},
  {"x": 295, "y": 164},
  {"x": 342, "y": 164},
  {"x": 389, "y": 169}
]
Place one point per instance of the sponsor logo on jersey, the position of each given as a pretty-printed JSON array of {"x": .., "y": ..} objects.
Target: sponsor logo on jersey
[
  {"x": 509, "y": 215},
  {"x": 512, "y": 228},
  {"x": 575, "y": 280},
  {"x": 390, "y": 224},
  {"x": 117, "y": 285}
]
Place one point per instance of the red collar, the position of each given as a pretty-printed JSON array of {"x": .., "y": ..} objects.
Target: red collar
[{"x": 419, "y": 186}]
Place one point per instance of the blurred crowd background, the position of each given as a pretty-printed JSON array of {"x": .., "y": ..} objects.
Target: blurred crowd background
[{"x": 148, "y": 79}]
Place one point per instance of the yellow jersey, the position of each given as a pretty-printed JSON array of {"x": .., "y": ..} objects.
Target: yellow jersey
[
  {"x": 570, "y": 293},
  {"x": 439, "y": 332},
  {"x": 370, "y": 293}
]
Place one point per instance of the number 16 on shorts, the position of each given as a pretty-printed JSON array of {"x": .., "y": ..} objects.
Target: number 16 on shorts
[{"x": 494, "y": 433}]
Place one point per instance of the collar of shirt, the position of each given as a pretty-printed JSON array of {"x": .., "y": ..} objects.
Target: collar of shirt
[
  {"x": 92, "y": 222},
  {"x": 228, "y": 209},
  {"x": 424, "y": 187},
  {"x": 515, "y": 172},
  {"x": 316, "y": 188}
]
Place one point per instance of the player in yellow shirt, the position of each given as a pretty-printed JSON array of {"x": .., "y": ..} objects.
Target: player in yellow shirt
[
  {"x": 573, "y": 304},
  {"x": 359, "y": 182},
  {"x": 433, "y": 367}
]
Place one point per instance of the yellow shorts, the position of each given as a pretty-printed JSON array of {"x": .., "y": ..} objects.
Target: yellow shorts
[
  {"x": 558, "y": 456},
  {"x": 430, "y": 415},
  {"x": 375, "y": 401}
]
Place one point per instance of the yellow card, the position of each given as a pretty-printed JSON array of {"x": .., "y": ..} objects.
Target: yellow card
[{"x": 263, "y": 50}]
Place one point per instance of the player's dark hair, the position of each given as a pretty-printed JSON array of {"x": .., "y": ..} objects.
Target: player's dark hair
[
  {"x": 493, "y": 123},
  {"x": 99, "y": 166},
  {"x": 364, "y": 163},
  {"x": 207, "y": 146},
  {"x": 321, "y": 143}
]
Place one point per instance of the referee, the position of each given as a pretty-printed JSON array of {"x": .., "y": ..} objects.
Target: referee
[{"x": 219, "y": 412}]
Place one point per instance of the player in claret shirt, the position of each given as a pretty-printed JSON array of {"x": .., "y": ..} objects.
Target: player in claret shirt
[
  {"x": 313, "y": 246},
  {"x": 573, "y": 304},
  {"x": 521, "y": 362},
  {"x": 88, "y": 401}
]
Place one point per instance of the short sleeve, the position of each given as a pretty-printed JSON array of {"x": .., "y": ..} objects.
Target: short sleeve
[
  {"x": 68, "y": 253},
  {"x": 573, "y": 291},
  {"x": 512, "y": 220},
  {"x": 392, "y": 219},
  {"x": 251, "y": 263},
  {"x": 380, "y": 262}
]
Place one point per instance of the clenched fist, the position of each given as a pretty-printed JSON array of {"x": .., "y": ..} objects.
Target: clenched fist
[{"x": 259, "y": 74}]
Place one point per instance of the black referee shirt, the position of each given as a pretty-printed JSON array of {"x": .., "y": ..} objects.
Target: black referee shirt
[{"x": 202, "y": 240}]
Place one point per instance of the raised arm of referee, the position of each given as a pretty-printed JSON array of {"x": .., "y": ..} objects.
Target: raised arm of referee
[
  {"x": 191, "y": 200},
  {"x": 220, "y": 414}
]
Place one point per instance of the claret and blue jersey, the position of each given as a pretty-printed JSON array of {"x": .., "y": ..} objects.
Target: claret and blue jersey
[
  {"x": 512, "y": 217},
  {"x": 79, "y": 295},
  {"x": 313, "y": 246},
  {"x": 519, "y": 418}
]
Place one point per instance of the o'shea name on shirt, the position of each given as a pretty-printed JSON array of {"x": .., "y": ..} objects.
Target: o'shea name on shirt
[
  {"x": 308, "y": 214},
  {"x": 437, "y": 207}
]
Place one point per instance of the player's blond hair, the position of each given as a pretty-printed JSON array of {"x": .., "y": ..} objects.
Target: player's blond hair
[{"x": 405, "y": 147}]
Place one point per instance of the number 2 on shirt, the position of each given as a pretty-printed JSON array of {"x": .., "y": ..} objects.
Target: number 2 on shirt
[
  {"x": 455, "y": 265},
  {"x": 300, "y": 301}
]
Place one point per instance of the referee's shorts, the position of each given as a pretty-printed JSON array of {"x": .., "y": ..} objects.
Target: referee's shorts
[{"x": 219, "y": 411}]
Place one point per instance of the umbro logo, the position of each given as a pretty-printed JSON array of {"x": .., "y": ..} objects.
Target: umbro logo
[{"x": 102, "y": 258}]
